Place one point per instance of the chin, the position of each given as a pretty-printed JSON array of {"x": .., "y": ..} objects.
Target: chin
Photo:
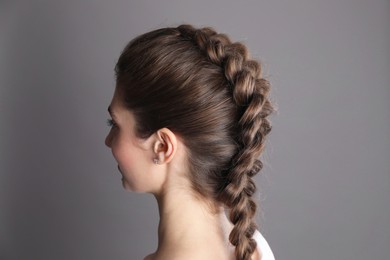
[{"x": 128, "y": 187}]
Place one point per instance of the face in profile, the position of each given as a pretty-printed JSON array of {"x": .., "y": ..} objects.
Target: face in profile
[{"x": 133, "y": 155}]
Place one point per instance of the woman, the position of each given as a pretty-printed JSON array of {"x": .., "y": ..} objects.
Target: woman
[{"x": 189, "y": 120}]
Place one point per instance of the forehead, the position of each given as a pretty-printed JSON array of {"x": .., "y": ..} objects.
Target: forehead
[{"x": 116, "y": 104}]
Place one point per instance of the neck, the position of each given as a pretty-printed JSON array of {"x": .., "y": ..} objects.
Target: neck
[{"x": 186, "y": 220}]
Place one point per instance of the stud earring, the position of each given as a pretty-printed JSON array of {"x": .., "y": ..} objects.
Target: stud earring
[{"x": 156, "y": 161}]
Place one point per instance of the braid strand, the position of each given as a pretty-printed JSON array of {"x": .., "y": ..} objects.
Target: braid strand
[{"x": 250, "y": 94}]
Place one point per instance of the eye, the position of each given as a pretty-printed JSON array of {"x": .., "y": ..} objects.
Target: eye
[{"x": 111, "y": 123}]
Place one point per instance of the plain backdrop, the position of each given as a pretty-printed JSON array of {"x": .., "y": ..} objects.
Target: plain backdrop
[{"x": 324, "y": 192}]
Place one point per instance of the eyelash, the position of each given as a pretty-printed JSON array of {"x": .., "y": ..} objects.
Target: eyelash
[{"x": 111, "y": 123}]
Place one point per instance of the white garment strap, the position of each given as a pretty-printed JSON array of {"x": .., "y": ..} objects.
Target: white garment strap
[{"x": 263, "y": 246}]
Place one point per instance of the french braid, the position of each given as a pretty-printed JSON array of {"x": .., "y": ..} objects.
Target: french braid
[{"x": 250, "y": 94}]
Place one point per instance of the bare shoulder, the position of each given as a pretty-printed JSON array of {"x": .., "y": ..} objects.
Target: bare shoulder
[
  {"x": 164, "y": 256},
  {"x": 189, "y": 255}
]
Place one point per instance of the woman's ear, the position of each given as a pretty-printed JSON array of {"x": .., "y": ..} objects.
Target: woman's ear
[{"x": 165, "y": 145}]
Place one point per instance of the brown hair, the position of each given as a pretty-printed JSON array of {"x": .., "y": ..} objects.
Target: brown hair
[{"x": 205, "y": 88}]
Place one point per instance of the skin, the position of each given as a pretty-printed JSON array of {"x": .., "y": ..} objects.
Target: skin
[{"x": 187, "y": 229}]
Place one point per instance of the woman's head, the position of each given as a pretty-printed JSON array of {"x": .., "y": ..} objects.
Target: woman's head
[{"x": 203, "y": 88}]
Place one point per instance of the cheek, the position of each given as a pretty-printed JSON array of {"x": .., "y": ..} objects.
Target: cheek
[
  {"x": 123, "y": 155},
  {"x": 131, "y": 160},
  {"x": 134, "y": 173}
]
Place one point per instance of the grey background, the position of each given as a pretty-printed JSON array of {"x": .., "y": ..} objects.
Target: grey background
[{"x": 325, "y": 188}]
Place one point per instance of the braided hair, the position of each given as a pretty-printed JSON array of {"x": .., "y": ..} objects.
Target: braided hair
[{"x": 212, "y": 95}]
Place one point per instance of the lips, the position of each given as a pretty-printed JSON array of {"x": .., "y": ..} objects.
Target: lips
[{"x": 119, "y": 169}]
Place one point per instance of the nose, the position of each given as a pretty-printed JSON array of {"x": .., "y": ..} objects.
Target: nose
[{"x": 108, "y": 140}]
